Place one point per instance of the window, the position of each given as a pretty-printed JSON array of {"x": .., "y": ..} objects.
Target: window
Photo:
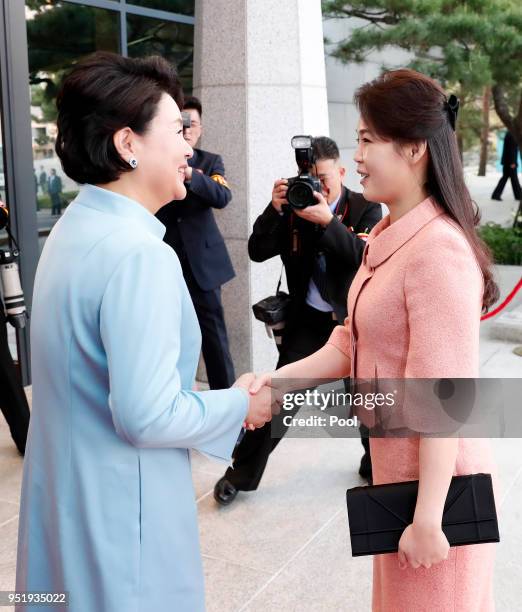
[
  {"x": 173, "y": 41},
  {"x": 181, "y": 7},
  {"x": 58, "y": 35}
]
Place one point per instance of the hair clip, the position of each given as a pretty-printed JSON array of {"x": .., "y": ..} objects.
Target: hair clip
[{"x": 452, "y": 105}]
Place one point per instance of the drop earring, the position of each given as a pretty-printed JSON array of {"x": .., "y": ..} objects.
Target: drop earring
[{"x": 133, "y": 162}]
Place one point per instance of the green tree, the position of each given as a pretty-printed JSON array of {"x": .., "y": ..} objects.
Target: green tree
[
  {"x": 61, "y": 33},
  {"x": 466, "y": 44},
  {"x": 58, "y": 35}
]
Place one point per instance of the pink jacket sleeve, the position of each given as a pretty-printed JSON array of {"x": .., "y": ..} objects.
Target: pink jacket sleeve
[
  {"x": 340, "y": 338},
  {"x": 443, "y": 291}
]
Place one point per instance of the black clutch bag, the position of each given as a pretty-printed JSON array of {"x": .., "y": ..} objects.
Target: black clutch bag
[{"x": 379, "y": 514}]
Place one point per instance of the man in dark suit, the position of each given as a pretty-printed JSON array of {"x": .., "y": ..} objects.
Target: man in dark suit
[
  {"x": 54, "y": 188},
  {"x": 321, "y": 248},
  {"x": 509, "y": 169},
  {"x": 193, "y": 233},
  {"x": 13, "y": 402},
  {"x": 42, "y": 180}
]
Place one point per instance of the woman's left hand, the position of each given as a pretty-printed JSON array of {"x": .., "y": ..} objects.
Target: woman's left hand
[{"x": 422, "y": 546}]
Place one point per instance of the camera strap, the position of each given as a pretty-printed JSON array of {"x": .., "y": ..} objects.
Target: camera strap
[
  {"x": 280, "y": 278},
  {"x": 295, "y": 237},
  {"x": 342, "y": 207}
]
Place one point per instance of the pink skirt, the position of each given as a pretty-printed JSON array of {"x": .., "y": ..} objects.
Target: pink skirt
[{"x": 461, "y": 583}]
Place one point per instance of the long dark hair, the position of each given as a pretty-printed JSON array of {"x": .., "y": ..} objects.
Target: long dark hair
[{"x": 407, "y": 106}]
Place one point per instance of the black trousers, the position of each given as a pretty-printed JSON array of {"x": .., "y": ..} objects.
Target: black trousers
[
  {"x": 307, "y": 336},
  {"x": 508, "y": 173},
  {"x": 56, "y": 203},
  {"x": 214, "y": 339},
  {"x": 13, "y": 402}
]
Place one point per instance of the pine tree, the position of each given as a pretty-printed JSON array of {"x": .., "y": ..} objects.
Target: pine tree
[{"x": 466, "y": 44}]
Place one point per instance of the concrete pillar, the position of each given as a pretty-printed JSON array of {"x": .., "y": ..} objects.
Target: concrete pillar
[{"x": 259, "y": 71}]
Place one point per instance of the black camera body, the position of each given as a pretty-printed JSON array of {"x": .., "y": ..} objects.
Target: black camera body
[{"x": 301, "y": 188}]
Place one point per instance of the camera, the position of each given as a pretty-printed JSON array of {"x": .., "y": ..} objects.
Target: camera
[
  {"x": 301, "y": 188},
  {"x": 14, "y": 301},
  {"x": 273, "y": 312}
]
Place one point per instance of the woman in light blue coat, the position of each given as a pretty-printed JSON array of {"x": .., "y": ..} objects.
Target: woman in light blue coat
[{"x": 108, "y": 513}]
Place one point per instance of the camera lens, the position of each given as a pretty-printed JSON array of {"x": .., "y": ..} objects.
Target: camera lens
[{"x": 300, "y": 195}]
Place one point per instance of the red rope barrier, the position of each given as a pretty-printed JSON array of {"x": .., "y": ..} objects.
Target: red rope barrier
[{"x": 504, "y": 303}]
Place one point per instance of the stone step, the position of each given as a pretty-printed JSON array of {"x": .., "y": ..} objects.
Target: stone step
[{"x": 508, "y": 326}]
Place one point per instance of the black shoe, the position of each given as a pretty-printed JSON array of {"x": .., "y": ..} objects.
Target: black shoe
[
  {"x": 224, "y": 492},
  {"x": 365, "y": 469},
  {"x": 498, "y": 199}
]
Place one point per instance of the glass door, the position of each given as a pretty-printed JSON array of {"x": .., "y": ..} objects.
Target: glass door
[{"x": 51, "y": 55}]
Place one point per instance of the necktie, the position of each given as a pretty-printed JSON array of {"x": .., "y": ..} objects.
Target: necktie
[{"x": 319, "y": 276}]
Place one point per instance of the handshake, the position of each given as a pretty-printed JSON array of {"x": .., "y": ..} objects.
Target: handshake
[{"x": 264, "y": 400}]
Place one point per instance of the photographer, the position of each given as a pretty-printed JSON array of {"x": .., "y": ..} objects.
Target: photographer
[
  {"x": 13, "y": 402},
  {"x": 321, "y": 251},
  {"x": 193, "y": 233}
]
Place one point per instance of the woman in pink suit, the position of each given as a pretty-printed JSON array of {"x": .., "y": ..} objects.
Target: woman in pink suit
[{"x": 414, "y": 312}]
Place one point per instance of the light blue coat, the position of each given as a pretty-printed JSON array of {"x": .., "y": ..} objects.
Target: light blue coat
[{"x": 108, "y": 511}]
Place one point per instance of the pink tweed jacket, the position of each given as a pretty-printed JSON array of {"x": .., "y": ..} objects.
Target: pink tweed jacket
[
  {"x": 419, "y": 296},
  {"x": 414, "y": 311}
]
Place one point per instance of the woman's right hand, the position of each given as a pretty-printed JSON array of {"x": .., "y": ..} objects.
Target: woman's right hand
[
  {"x": 261, "y": 386},
  {"x": 261, "y": 381}
]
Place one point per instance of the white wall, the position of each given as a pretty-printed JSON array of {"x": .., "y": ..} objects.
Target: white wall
[{"x": 259, "y": 70}]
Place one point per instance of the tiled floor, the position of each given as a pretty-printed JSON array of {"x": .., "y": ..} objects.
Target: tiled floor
[{"x": 286, "y": 546}]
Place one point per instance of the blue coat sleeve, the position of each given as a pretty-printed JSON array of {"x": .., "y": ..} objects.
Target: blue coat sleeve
[{"x": 141, "y": 319}]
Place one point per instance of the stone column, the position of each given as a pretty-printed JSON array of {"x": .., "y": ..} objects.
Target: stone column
[{"x": 259, "y": 71}]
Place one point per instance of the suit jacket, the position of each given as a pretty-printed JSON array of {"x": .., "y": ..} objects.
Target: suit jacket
[
  {"x": 509, "y": 151},
  {"x": 107, "y": 477},
  {"x": 414, "y": 305},
  {"x": 274, "y": 234},
  {"x": 192, "y": 230},
  {"x": 54, "y": 184}
]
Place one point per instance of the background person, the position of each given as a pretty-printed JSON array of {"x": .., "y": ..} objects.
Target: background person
[
  {"x": 321, "y": 252},
  {"x": 54, "y": 188},
  {"x": 13, "y": 401},
  {"x": 42, "y": 180},
  {"x": 193, "y": 233},
  {"x": 509, "y": 163}
]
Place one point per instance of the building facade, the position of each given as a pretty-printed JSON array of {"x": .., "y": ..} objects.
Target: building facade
[
  {"x": 259, "y": 69},
  {"x": 39, "y": 41}
]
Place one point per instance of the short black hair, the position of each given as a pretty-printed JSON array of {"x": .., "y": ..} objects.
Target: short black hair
[
  {"x": 325, "y": 148},
  {"x": 193, "y": 102},
  {"x": 102, "y": 94}
]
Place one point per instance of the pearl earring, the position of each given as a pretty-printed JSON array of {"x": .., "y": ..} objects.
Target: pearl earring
[{"x": 133, "y": 162}]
